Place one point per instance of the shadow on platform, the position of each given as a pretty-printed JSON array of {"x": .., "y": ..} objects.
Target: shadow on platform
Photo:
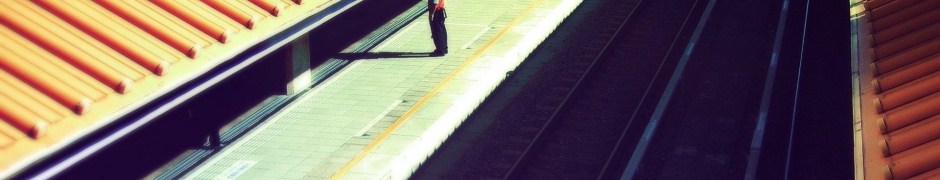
[{"x": 380, "y": 55}]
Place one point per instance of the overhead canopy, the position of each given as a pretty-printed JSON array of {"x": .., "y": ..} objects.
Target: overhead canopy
[
  {"x": 900, "y": 89},
  {"x": 70, "y": 67}
]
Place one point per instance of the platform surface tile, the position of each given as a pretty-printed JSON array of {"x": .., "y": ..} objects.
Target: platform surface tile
[{"x": 379, "y": 117}]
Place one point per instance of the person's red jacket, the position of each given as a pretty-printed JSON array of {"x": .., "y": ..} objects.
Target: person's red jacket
[{"x": 438, "y": 5}]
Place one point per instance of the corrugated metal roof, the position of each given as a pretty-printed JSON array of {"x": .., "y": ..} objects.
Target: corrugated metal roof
[
  {"x": 902, "y": 134},
  {"x": 65, "y": 65}
]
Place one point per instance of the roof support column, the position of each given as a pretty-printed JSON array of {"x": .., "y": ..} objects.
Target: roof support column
[{"x": 297, "y": 63}]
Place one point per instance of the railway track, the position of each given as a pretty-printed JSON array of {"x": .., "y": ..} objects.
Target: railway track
[
  {"x": 584, "y": 132},
  {"x": 591, "y": 86}
]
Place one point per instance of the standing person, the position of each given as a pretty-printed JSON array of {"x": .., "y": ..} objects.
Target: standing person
[{"x": 437, "y": 15}]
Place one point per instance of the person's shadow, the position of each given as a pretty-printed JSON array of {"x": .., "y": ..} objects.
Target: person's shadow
[{"x": 380, "y": 55}]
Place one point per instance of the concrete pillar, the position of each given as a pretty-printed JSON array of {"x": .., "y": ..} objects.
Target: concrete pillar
[{"x": 297, "y": 61}]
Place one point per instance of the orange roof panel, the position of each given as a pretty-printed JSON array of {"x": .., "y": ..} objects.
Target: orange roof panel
[
  {"x": 68, "y": 67},
  {"x": 901, "y": 124}
]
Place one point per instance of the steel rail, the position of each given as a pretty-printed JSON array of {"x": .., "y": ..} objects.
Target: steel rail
[
  {"x": 757, "y": 140},
  {"x": 647, "y": 136},
  {"x": 796, "y": 95},
  {"x": 568, "y": 96},
  {"x": 647, "y": 91}
]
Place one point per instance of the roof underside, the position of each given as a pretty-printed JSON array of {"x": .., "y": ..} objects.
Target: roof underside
[
  {"x": 69, "y": 67},
  {"x": 901, "y": 105}
]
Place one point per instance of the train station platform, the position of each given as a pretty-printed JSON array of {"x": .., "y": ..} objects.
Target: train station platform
[
  {"x": 77, "y": 76},
  {"x": 387, "y": 110}
]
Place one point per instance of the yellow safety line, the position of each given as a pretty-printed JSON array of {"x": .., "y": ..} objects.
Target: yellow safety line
[{"x": 428, "y": 96}]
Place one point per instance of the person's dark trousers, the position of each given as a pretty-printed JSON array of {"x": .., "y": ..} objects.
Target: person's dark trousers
[{"x": 439, "y": 32}]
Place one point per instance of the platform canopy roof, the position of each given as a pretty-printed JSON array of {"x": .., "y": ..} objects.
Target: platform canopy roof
[{"x": 68, "y": 68}]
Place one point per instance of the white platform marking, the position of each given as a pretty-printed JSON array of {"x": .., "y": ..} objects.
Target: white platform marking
[
  {"x": 465, "y": 46},
  {"x": 379, "y": 117},
  {"x": 236, "y": 169}
]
